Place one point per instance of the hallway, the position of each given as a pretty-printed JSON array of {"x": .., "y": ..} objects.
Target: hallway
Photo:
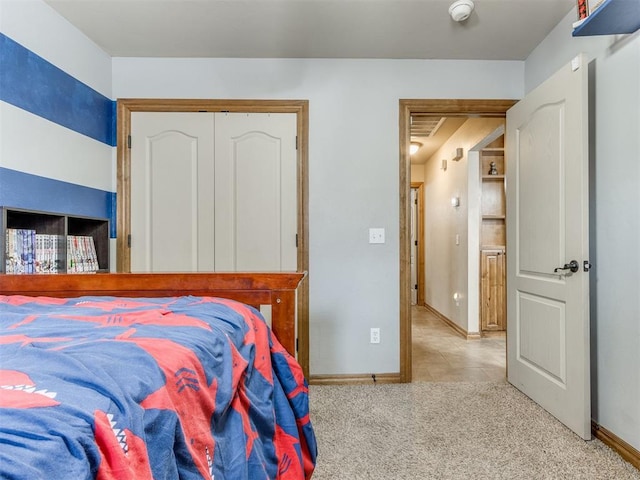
[{"x": 439, "y": 354}]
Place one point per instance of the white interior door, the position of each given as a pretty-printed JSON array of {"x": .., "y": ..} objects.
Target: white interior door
[
  {"x": 171, "y": 196},
  {"x": 547, "y": 227},
  {"x": 414, "y": 246},
  {"x": 255, "y": 192}
]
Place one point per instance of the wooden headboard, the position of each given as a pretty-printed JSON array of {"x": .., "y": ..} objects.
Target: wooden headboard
[{"x": 255, "y": 289}]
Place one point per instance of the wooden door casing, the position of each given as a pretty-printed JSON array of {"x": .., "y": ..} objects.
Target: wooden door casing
[
  {"x": 443, "y": 107},
  {"x": 300, "y": 107}
]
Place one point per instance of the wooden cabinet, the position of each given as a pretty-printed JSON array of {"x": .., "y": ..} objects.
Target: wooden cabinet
[
  {"x": 59, "y": 226},
  {"x": 493, "y": 238},
  {"x": 492, "y": 290}
]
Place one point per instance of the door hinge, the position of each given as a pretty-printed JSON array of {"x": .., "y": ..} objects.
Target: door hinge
[
  {"x": 296, "y": 240},
  {"x": 296, "y": 142},
  {"x": 297, "y": 344},
  {"x": 416, "y": 243},
  {"x": 415, "y": 286},
  {"x": 129, "y": 241},
  {"x": 129, "y": 141}
]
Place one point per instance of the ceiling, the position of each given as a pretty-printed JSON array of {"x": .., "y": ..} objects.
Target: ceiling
[
  {"x": 400, "y": 29},
  {"x": 390, "y": 29}
]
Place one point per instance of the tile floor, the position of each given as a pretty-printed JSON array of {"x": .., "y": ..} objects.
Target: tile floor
[{"x": 440, "y": 354}]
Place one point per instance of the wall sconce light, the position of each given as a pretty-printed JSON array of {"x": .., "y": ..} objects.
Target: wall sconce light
[
  {"x": 455, "y": 201},
  {"x": 444, "y": 165},
  {"x": 414, "y": 147},
  {"x": 457, "y": 155},
  {"x": 456, "y": 298}
]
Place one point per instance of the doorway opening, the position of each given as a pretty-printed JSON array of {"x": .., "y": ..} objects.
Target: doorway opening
[
  {"x": 445, "y": 108},
  {"x": 417, "y": 243},
  {"x": 465, "y": 286}
]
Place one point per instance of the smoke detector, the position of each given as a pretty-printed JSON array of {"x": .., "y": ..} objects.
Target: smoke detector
[{"x": 460, "y": 10}]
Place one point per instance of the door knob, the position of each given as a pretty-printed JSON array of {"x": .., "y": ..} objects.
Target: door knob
[{"x": 572, "y": 265}]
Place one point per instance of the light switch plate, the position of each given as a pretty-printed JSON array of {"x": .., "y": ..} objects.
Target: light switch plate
[{"x": 376, "y": 235}]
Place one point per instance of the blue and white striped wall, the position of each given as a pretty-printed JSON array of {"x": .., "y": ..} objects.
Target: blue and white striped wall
[{"x": 57, "y": 133}]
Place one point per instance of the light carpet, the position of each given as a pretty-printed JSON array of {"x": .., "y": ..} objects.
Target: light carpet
[{"x": 449, "y": 431}]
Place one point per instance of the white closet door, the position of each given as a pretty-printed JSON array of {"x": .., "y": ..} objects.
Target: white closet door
[
  {"x": 213, "y": 192},
  {"x": 414, "y": 246},
  {"x": 171, "y": 192},
  {"x": 255, "y": 192}
]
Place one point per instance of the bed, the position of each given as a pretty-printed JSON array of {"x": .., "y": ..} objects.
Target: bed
[{"x": 152, "y": 376}]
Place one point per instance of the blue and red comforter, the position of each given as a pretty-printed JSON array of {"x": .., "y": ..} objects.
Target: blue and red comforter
[{"x": 165, "y": 388}]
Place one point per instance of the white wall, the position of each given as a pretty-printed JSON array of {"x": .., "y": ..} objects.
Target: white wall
[
  {"x": 447, "y": 265},
  {"x": 474, "y": 222},
  {"x": 417, "y": 173},
  {"x": 44, "y": 148},
  {"x": 615, "y": 217},
  {"x": 38, "y": 27},
  {"x": 353, "y": 128},
  {"x": 58, "y": 153}
]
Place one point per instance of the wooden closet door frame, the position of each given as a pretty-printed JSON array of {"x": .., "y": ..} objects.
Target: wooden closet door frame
[
  {"x": 300, "y": 107},
  {"x": 444, "y": 107}
]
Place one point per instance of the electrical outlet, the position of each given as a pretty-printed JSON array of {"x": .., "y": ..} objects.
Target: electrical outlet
[
  {"x": 376, "y": 235},
  {"x": 375, "y": 335}
]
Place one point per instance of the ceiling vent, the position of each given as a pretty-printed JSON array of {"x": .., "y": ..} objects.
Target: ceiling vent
[{"x": 425, "y": 126}]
